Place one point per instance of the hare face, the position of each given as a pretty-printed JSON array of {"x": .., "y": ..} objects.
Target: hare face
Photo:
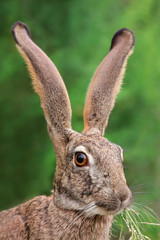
[{"x": 98, "y": 186}]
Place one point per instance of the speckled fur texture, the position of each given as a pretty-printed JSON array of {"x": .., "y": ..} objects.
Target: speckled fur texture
[{"x": 85, "y": 198}]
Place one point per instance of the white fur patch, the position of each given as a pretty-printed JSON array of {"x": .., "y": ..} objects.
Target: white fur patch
[
  {"x": 63, "y": 201},
  {"x": 91, "y": 210}
]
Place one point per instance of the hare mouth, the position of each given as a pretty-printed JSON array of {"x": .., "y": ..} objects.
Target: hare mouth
[{"x": 97, "y": 208}]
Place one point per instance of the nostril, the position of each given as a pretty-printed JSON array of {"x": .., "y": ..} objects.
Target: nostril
[{"x": 124, "y": 195}]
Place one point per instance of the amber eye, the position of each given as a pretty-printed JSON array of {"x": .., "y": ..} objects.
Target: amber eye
[{"x": 81, "y": 159}]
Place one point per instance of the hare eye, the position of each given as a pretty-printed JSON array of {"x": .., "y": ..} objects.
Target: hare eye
[{"x": 81, "y": 159}]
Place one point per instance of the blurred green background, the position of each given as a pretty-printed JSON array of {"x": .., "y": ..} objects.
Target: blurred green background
[{"x": 76, "y": 35}]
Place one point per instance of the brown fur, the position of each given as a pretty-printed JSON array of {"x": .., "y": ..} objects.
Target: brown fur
[
  {"x": 84, "y": 199},
  {"x": 49, "y": 222},
  {"x": 107, "y": 81}
]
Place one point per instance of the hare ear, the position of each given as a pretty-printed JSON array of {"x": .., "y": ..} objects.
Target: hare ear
[
  {"x": 48, "y": 84},
  {"x": 106, "y": 82}
]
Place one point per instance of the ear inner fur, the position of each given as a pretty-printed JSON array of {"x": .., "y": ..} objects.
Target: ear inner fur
[
  {"x": 106, "y": 83},
  {"x": 47, "y": 83}
]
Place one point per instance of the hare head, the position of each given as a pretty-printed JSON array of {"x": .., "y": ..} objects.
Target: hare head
[{"x": 89, "y": 174}]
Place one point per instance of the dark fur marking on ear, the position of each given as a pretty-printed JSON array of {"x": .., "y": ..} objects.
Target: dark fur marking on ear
[
  {"x": 19, "y": 23},
  {"x": 120, "y": 32}
]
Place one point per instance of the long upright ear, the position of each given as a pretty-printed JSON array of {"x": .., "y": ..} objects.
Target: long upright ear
[
  {"x": 106, "y": 82},
  {"x": 48, "y": 84}
]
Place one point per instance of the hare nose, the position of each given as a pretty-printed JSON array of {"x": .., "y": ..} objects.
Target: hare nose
[{"x": 124, "y": 194}]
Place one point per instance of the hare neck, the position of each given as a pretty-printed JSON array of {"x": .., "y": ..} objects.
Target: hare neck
[{"x": 75, "y": 225}]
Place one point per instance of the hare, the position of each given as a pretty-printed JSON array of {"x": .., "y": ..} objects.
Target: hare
[{"x": 89, "y": 185}]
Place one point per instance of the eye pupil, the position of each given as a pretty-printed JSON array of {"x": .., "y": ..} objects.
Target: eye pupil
[{"x": 81, "y": 159}]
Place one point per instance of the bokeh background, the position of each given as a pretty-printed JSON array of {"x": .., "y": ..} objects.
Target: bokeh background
[{"x": 76, "y": 35}]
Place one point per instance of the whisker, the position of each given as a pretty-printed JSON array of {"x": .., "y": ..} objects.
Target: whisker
[
  {"x": 70, "y": 224},
  {"x": 135, "y": 219},
  {"x": 135, "y": 228},
  {"x": 140, "y": 192},
  {"x": 139, "y": 185},
  {"x": 137, "y": 213},
  {"x": 82, "y": 221},
  {"x": 147, "y": 210},
  {"x": 89, "y": 208}
]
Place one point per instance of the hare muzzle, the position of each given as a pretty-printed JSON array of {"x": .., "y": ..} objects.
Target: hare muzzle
[{"x": 124, "y": 194}]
